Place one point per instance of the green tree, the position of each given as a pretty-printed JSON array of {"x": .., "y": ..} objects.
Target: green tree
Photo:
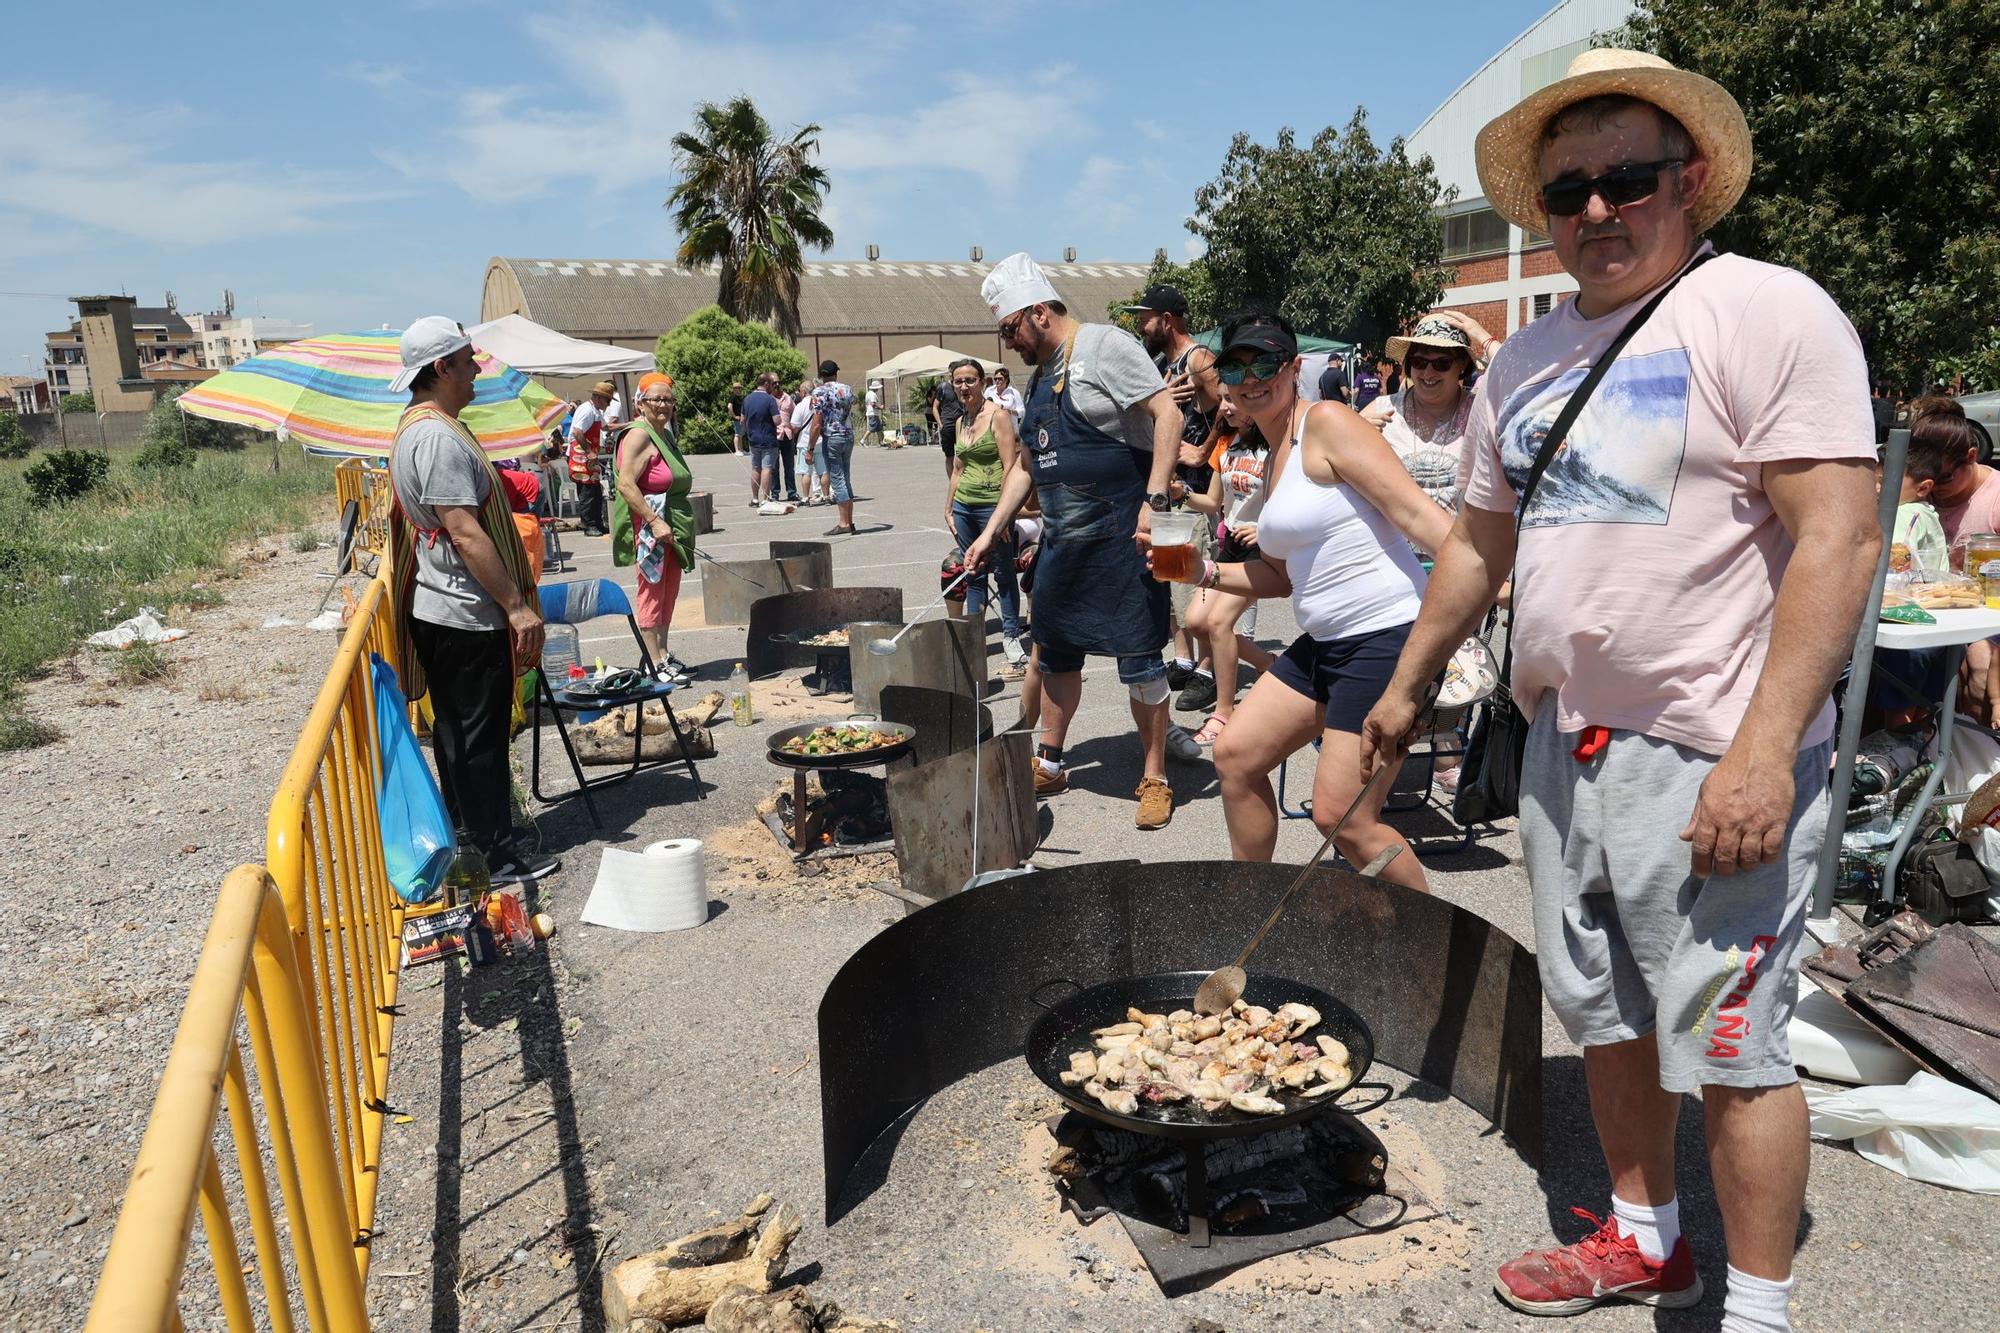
[
  {"x": 1875, "y": 125},
  {"x": 706, "y": 353},
  {"x": 171, "y": 436},
  {"x": 1340, "y": 237},
  {"x": 15, "y": 441},
  {"x": 76, "y": 402},
  {"x": 749, "y": 202}
]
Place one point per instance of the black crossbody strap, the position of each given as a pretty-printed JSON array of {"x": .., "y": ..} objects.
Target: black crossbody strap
[{"x": 1567, "y": 418}]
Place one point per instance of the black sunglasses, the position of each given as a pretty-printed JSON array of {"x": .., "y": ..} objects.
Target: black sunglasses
[
  {"x": 1235, "y": 372},
  {"x": 1619, "y": 186}
]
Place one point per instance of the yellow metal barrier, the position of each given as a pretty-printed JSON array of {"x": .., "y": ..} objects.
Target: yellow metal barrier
[
  {"x": 308, "y": 956},
  {"x": 354, "y": 479}
]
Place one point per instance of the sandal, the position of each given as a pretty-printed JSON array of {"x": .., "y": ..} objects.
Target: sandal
[{"x": 1211, "y": 730}]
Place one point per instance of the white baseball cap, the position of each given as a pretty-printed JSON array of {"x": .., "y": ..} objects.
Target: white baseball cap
[{"x": 432, "y": 338}]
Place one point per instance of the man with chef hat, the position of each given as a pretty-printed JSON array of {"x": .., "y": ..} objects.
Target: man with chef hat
[{"x": 1099, "y": 441}]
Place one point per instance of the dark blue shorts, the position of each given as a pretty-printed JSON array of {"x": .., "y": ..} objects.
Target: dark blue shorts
[
  {"x": 1136, "y": 669},
  {"x": 1344, "y": 676}
]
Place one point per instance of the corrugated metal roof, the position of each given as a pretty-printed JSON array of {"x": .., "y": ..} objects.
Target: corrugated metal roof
[{"x": 642, "y": 298}]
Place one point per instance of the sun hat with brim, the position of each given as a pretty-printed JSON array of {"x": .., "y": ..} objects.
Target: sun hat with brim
[
  {"x": 1441, "y": 333},
  {"x": 1509, "y": 150}
]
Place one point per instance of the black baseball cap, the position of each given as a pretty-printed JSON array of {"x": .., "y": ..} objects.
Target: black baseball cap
[
  {"x": 1163, "y": 297},
  {"x": 827, "y": 370},
  {"x": 1256, "y": 335}
]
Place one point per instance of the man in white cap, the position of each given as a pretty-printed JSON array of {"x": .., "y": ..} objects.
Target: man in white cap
[
  {"x": 465, "y": 593},
  {"x": 1101, "y": 435},
  {"x": 1691, "y": 556},
  {"x": 586, "y": 457}
]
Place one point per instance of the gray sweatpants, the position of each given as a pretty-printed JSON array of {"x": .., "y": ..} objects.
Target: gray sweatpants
[{"x": 1629, "y": 941}]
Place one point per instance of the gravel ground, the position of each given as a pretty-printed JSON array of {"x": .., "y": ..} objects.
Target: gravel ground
[
  {"x": 118, "y": 836},
  {"x": 562, "y": 1112}
]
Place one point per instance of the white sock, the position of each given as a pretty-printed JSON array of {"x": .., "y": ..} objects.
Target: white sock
[
  {"x": 1185, "y": 663},
  {"x": 1656, "y": 1227},
  {"x": 1204, "y": 673},
  {"x": 1757, "y": 1304},
  {"x": 1048, "y": 765}
]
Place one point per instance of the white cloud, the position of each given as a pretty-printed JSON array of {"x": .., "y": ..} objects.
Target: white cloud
[
  {"x": 609, "y": 124},
  {"x": 1102, "y": 192},
  {"x": 1194, "y": 247},
  {"x": 1153, "y": 130},
  {"x": 103, "y": 173}
]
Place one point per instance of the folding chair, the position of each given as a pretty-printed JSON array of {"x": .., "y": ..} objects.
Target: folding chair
[{"x": 564, "y": 607}]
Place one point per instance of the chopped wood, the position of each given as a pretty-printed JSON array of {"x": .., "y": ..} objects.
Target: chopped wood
[{"x": 677, "y": 1283}]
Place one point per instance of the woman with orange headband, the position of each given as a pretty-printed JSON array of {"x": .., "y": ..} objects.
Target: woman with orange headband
[{"x": 654, "y": 528}]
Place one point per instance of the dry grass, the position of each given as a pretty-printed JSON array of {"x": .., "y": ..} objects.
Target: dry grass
[
  {"x": 223, "y": 691},
  {"x": 142, "y": 664}
]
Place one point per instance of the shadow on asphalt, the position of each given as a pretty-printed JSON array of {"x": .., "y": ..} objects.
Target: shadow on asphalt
[{"x": 521, "y": 990}]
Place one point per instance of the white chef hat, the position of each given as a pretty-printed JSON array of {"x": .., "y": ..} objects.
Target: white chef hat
[{"x": 1016, "y": 283}]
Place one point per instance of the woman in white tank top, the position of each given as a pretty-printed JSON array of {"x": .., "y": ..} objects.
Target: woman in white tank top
[{"x": 1332, "y": 537}]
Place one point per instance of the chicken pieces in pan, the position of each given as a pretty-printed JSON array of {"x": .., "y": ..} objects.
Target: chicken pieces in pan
[{"x": 1233, "y": 1060}]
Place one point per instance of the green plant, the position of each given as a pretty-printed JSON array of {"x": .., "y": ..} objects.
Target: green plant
[
  {"x": 749, "y": 202},
  {"x": 15, "y": 442},
  {"x": 142, "y": 664},
  {"x": 706, "y": 433},
  {"x": 305, "y": 541},
  {"x": 710, "y": 350},
  {"x": 171, "y": 435},
  {"x": 76, "y": 402},
  {"x": 917, "y": 398},
  {"x": 63, "y": 475},
  {"x": 163, "y": 451}
]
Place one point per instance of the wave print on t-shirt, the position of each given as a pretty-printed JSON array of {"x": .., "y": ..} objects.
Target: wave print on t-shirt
[{"x": 1624, "y": 452}]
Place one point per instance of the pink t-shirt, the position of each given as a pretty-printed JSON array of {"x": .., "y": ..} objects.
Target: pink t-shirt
[
  {"x": 1980, "y": 512},
  {"x": 1650, "y": 558}
]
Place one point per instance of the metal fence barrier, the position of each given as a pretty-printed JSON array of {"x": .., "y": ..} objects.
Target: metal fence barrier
[{"x": 307, "y": 956}]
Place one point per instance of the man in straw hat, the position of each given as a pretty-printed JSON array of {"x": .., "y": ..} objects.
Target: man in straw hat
[
  {"x": 1101, "y": 434},
  {"x": 586, "y": 455},
  {"x": 1688, "y": 575}
]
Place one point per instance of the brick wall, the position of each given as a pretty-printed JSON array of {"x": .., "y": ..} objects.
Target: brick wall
[
  {"x": 1492, "y": 268},
  {"x": 1540, "y": 263},
  {"x": 1492, "y": 315}
]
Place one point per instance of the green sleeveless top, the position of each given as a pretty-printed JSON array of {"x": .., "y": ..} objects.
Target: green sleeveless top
[{"x": 979, "y": 475}]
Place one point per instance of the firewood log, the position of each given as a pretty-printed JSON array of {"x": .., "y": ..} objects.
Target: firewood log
[{"x": 679, "y": 1282}]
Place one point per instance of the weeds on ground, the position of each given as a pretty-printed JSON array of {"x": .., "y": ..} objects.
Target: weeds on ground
[
  {"x": 305, "y": 541},
  {"x": 223, "y": 691},
  {"x": 143, "y": 536},
  {"x": 142, "y": 664}
]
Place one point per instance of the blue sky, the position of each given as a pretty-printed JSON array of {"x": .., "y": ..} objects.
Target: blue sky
[{"x": 353, "y": 165}]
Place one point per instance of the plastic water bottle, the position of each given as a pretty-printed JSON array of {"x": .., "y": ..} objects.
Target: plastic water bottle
[{"x": 739, "y": 696}]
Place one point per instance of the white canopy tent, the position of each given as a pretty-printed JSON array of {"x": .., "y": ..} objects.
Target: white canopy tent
[
  {"x": 929, "y": 359},
  {"x": 526, "y": 345}
]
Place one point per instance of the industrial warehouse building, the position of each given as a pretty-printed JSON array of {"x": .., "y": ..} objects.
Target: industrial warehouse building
[{"x": 858, "y": 314}]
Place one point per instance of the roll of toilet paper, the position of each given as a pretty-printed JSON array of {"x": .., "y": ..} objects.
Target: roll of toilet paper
[{"x": 664, "y": 887}]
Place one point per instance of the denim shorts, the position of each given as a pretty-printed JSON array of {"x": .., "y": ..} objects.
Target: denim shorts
[
  {"x": 764, "y": 455},
  {"x": 1136, "y": 669}
]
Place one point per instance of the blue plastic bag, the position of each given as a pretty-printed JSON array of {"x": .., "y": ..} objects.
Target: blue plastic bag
[{"x": 418, "y": 845}]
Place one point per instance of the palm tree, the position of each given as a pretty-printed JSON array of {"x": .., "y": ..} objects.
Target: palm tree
[{"x": 750, "y": 202}]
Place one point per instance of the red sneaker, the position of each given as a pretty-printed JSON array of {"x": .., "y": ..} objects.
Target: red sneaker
[{"x": 1603, "y": 1266}]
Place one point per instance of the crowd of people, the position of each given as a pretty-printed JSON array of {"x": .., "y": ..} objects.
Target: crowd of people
[{"x": 1667, "y": 482}]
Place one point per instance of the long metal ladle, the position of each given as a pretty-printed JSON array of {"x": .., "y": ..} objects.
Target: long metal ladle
[
  {"x": 1223, "y": 987},
  {"x": 884, "y": 647}
]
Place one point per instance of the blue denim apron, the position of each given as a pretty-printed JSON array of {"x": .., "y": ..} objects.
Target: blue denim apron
[{"x": 1092, "y": 591}]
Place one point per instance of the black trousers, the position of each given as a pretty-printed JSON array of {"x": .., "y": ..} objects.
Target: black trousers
[
  {"x": 788, "y": 462},
  {"x": 471, "y": 675},
  {"x": 590, "y": 506}
]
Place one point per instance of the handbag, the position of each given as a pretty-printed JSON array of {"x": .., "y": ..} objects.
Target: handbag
[{"x": 1489, "y": 787}]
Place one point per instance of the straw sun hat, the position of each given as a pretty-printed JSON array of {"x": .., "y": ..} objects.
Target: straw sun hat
[
  {"x": 1509, "y": 149},
  {"x": 1430, "y": 332}
]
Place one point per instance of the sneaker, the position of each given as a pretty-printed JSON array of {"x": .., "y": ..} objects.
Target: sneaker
[
  {"x": 1156, "y": 804},
  {"x": 669, "y": 673},
  {"x": 1050, "y": 784},
  {"x": 522, "y": 868},
  {"x": 1198, "y": 696},
  {"x": 1017, "y": 655},
  {"x": 793, "y": 499},
  {"x": 1182, "y": 746},
  {"x": 1178, "y": 676},
  {"x": 1603, "y": 1266}
]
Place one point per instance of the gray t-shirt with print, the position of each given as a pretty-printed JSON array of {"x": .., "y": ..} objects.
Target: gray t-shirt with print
[
  {"x": 432, "y": 465},
  {"x": 1111, "y": 376}
]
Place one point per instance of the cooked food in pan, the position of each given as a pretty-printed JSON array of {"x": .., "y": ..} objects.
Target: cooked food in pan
[
  {"x": 832, "y": 638},
  {"x": 840, "y": 740},
  {"x": 1235, "y": 1060}
]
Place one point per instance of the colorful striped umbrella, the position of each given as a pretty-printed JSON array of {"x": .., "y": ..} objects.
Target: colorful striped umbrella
[{"x": 332, "y": 394}]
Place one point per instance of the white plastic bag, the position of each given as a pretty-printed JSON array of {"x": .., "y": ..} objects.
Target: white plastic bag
[
  {"x": 142, "y": 628},
  {"x": 1926, "y": 1129}
]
